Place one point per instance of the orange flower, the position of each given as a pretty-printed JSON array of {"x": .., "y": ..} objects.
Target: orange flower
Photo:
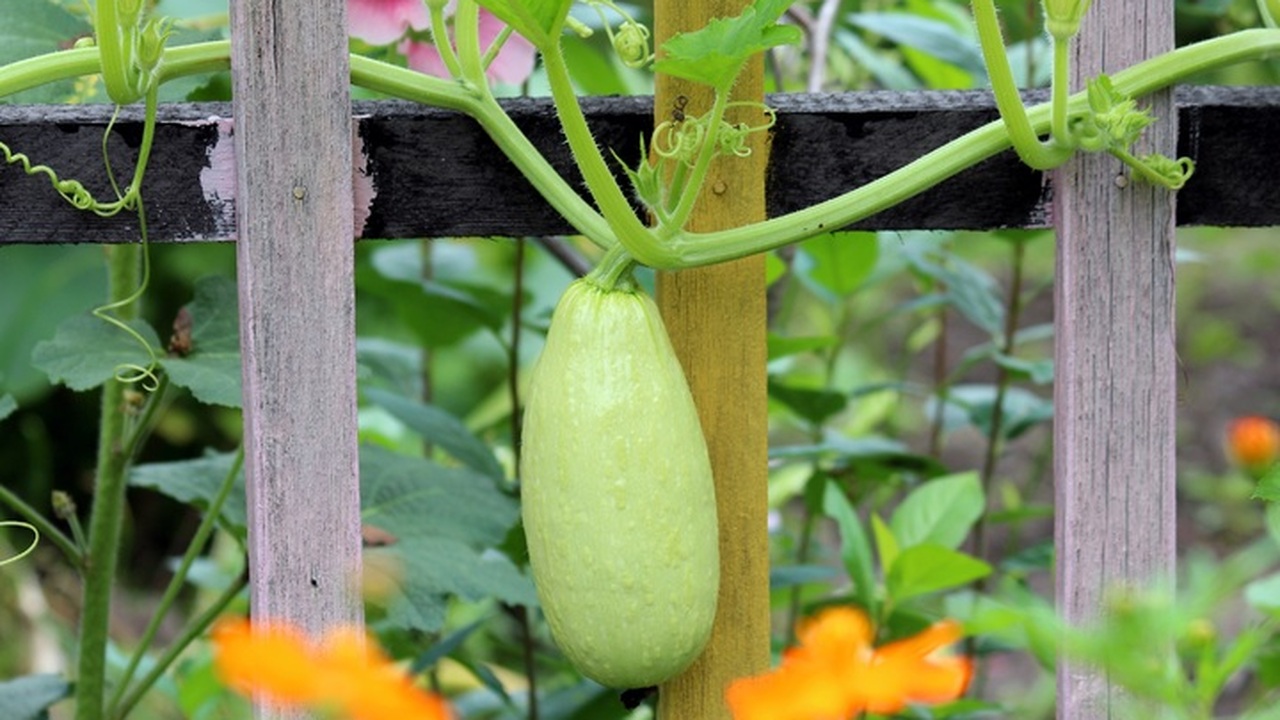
[
  {"x": 343, "y": 672},
  {"x": 1253, "y": 442},
  {"x": 835, "y": 672}
]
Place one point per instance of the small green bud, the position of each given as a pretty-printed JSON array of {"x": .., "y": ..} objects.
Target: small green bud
[
  {"x": 1062, "y": 17},
  {"x": 151, "y": 44},
  {"x": 87, "y": 41}
]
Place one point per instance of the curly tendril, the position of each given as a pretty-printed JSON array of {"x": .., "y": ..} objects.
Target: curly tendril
[
  {"x": 35, "y": 540},
  {"x": 682, "y": 139},
  {"x": 631, "y": 40}
]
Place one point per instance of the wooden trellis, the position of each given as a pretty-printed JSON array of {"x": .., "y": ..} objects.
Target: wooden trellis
[{"x": 299, "y": 178}]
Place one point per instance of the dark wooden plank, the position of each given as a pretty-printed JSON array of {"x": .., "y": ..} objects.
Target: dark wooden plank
[{"x": 430, "y": 173}]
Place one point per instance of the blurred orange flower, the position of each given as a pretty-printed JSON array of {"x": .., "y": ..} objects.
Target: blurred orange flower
[
  {"x": 835, "y": 673},
  {"x": 343, "y": 673},
  {"x": 1253, "y": 442}
]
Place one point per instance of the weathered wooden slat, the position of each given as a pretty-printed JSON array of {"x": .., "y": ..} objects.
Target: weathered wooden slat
[
  {"x": 430, "y": 173},
  {"x": 297, "y": 310},
  {"x": 717, "y": 319},
  {"x": 1115, "y": 382}
]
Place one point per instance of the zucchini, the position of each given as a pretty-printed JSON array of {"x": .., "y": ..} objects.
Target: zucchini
[{"x": 616, "y": 492}]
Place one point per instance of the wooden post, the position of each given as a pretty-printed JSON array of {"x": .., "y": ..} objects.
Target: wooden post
[
  {"x": 1115, "y": 389},
  {"x": 716, "y": 318},
  {"x": 297, "y": 302}
]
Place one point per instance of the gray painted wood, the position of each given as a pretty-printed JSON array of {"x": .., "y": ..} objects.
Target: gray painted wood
[
  {"x": 431, "y": 173},
  {"x": 297, "y": 327},
  {"x": 1115, "y": 364}
]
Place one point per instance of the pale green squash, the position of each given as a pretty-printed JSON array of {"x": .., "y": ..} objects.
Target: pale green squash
[{"x": 617, "y": 496}]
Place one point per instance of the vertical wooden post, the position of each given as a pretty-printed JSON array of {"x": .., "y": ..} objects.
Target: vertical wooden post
[
  {"x": 1115, "y": 389},
  {"x": 297, "y": 302},
  {"x": 716, "y": 317}
]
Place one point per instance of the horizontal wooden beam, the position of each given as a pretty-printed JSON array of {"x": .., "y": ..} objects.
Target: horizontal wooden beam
[{"x": 423, "y": 172}]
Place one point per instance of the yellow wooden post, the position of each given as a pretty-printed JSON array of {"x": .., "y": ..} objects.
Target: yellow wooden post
[{"x": 716, "y": 318}]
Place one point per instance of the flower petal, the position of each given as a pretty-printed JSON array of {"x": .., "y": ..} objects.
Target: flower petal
[{"x": 382, "y": 22}]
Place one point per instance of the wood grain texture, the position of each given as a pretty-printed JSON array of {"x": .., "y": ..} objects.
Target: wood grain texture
[
  {"x": 297, "y": 327},
  {"x": 433, "y": 173},
  {"x": 1115, "y": 359},
  {"x": 716, "y": 318}
]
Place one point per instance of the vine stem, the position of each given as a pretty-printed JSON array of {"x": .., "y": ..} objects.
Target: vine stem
[
  {"x": 107, "y": 514},
  {"x": 684, "y": 249}
]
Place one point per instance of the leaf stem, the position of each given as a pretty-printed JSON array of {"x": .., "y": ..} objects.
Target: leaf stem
[
  {"x": 618, "y": 213},
  {"x": 1035, "y": 153},
  {"x": 689, "y": 249},
  {"x": 194, "y": 630},
  {"x": 178, "y": 581}
]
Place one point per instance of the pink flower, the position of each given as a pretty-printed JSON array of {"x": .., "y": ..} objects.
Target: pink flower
[
  {"x": 513, "y": 64},
  {"x": 382, "y": 22}
]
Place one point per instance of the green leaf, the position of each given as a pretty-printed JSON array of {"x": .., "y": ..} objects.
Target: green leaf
[
  {"x": 212, "y": 370},
  {"x": 1268, "y": 489},
  {"x": 780, "y": 346},
  {"x": 812, "y": 405},
  {"x": 928, "y": 568},
  {"x": 8, "y": 405},
  {"x": 855, "y": 550},
  {"x": 715, "y": 54},
  {"x": 443, "y": 520},
  {"x": 974, "y": 405},
  {"x": 939, "y": 512},
  {"x": 833, "y": 265},
  {"x": 196, "y": 482},
  {"x": 87, "y": 351},
  {"x": 29, "y": 697},
  {"x": 441, "y": 429},
  {"x": 438, "y": 313},
  {"x": 36, "y": 27},
  {"x": 40, "y": 286},
  {"x": 886, "y": 543},
  {"x": 539, "y": 21},
  {"x": 931, "y": 37},
  {"x": 1264, "y": 593}
]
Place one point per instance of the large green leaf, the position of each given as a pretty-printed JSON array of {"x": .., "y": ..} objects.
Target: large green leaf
[
  {"x": 196, "y": 482},
  {"x": 29, "y": 697},
  {"x": 440, "y": 428},
  {"x": 929, "y": 568},
  {"x": 441, "y": 523},
  {"x": 939, "y": 512},
  {"x": 211, "y": 371},
  {"x": 40, "y": 286},
  {"x": 86, "y": 351},
  {"x": 715, "y": 54},
  {"x": 36, "y": 27}
]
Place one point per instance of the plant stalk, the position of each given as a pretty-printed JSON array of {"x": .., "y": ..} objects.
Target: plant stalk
[{"x": 107, "y": 515}]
